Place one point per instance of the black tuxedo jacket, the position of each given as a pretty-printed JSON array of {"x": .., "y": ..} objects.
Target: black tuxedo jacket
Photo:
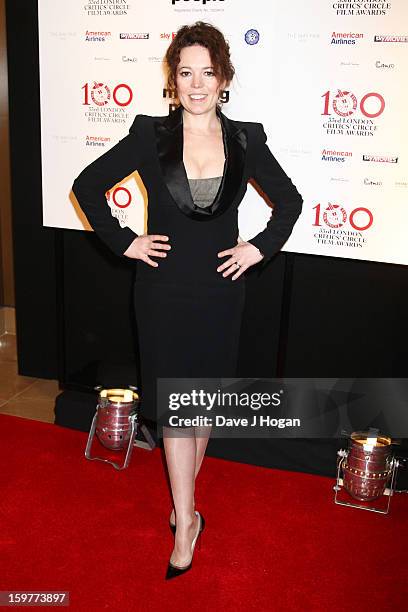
[{"x": 154, "y": 147}]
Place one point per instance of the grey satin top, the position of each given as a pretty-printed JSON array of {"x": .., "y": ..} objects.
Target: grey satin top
[{"x": 204, "y": 190}]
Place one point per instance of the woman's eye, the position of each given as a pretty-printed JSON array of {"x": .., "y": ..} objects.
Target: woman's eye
[{"x": 187, "y": 73}]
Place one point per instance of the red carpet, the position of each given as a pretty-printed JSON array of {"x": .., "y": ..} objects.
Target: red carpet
[{"x": 274, "y": 540}]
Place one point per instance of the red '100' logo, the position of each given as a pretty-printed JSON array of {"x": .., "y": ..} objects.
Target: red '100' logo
[
  {"x": 335, "y": 216},
  {"x": 100, "y": 94},
  {"x": 345, "y": 103}
]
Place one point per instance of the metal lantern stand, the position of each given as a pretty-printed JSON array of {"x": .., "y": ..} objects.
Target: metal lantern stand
[
  {"x": 388, "y": 491},
  {"x": 115, "y": 424}
]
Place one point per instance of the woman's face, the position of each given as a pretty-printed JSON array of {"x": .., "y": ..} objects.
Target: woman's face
[{"x": 197, "y": 86}]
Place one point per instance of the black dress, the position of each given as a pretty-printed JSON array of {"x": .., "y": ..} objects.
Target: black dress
[
  {"x": 189, "y": 324},
  {"x": 188, "y": 315}
]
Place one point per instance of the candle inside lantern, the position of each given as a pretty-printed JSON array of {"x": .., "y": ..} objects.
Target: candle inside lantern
[
  {"x": 369, "y": 444},
  {"x": 128, "y": 395}
]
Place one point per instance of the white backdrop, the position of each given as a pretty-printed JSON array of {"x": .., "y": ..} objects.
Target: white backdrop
[{"x": 327, "y": 80}]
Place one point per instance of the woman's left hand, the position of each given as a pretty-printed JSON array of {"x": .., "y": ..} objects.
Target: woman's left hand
[{"x": 244, "y": 254}]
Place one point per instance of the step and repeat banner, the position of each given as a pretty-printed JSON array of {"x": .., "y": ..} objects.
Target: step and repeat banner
[{"x": 327, "y": 80}]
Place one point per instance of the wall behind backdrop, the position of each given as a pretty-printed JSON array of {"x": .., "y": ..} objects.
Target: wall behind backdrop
[{"x": 321, "y": 315}]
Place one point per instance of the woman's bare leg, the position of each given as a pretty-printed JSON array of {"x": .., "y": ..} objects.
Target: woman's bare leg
[
  {"x": 202, "y": 435},
  {"x": 181, "y": 455}
]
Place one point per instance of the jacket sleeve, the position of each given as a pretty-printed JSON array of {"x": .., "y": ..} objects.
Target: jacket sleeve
[
  {"x": 97, "y": 178},
  {"x": 279, "y": 188}
]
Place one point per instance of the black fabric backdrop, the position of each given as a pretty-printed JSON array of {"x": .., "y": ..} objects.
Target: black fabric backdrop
[{"x": 321, "y": 316}]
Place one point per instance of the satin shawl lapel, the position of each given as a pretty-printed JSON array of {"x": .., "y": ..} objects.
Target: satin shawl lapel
[{"x": 169, "y": 143}]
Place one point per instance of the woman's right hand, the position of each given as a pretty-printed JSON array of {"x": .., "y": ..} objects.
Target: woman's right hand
[{"x": 146, "y": 245}]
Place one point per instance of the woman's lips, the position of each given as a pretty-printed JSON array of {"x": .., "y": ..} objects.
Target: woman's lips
[{"x": 199, "y": 98}]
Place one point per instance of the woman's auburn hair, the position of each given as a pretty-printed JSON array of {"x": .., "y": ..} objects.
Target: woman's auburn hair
[{"x": 208, "y": 36}]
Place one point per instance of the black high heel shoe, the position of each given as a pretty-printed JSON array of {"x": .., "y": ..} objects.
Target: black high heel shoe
[
  {"x": 176, "y": 570},
  {"x": 173, "y": 525}
]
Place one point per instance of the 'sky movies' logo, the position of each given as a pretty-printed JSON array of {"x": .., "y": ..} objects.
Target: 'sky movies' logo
[
  {"x": 392, "y": 38},
  {"x": 134, "y": 35},
  {"x": 380, "y": 158}
]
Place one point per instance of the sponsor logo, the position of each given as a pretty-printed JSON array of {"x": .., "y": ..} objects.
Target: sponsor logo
[
  {"x": 168, "y": 35},
  {"x": 303, "y": 36},
  {"x": 372, "y": 182},
  {"x": 63, "y": 35},
  {"x": 126, "y": 58},
  {"x": 381, "y": 159},
  {"x": 96, "y": 141},
  {"x": 388, "y": 38},
  {"x": 252, "y": 37},
  {"x": 384, "y": 66},
  {"x": 348, "y": 38},
  {"x": 335, "y": 156},
  {"x": 339, "y": 179},
  {"x": 97, "y": 36},
  {"x": 134, "y": 35}
]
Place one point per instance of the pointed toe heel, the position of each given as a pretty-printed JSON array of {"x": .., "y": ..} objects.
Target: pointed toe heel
[{"x": 173, "y": 571}]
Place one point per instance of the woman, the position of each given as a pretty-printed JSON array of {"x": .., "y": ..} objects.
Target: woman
[{"x": 190, "y": 286}]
